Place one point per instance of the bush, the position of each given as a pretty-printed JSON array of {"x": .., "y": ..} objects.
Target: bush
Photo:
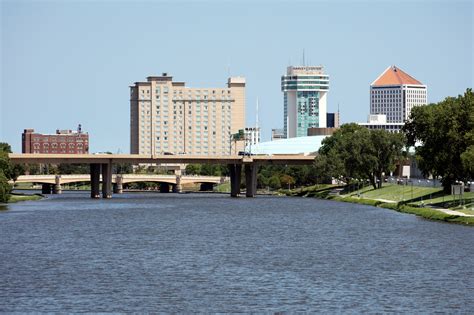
[{"x": 5, "y": 188}]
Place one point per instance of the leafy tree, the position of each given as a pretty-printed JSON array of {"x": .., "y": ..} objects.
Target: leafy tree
[
  {"x": 274, "y": 182},
  {"x": 354, "y": 151},
  {"x": 444, "y": 134},
  {"x": 5, "y": 188},
  {"x": 287, "y": 180}
]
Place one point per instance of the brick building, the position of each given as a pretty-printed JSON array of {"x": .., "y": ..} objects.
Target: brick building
[{"x": 64, "y": 141}]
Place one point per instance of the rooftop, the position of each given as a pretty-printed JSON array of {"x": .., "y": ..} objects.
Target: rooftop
[{"x": 395, "y": 76}]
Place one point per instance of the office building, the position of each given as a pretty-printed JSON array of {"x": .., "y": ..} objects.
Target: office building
[
  {"x": 394, "y": 93},
  {"x": 168, "y": 117},
  {"x": 277, "y": 134},
  {"x": 62, "y": 142},
  {"x": 252, "y": 137},
  {"x": 380, "y": 122},
  {"x": 305, "y": 91}
]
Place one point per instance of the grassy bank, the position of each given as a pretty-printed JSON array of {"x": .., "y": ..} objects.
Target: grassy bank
[
  {"x": 21, "y": 197},
  {"x": 405, "y": 199}
]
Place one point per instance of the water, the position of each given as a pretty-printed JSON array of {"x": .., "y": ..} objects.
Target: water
[{"x": 211, "y": 253}]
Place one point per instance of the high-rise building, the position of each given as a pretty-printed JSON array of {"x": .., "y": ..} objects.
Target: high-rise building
[
  {"x": 168, "y": 117},
  {"x": 305, "y": 91},
  {"x": 394, "y": 93},
  {"x": 62, "y": 142}
]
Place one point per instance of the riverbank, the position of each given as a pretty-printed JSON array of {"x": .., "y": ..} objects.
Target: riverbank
[
  {"x": 23, "y": 197},
  {"x": 419, "y": 202}
]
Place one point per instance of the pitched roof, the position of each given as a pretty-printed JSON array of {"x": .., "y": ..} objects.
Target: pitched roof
[{"x": 395, "y": 76}]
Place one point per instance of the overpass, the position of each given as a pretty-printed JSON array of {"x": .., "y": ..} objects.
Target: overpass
[
  {"x": 176, "y": 181},
  {"x": 102, "y": 164}
]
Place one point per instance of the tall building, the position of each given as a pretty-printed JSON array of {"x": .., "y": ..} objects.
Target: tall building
[
  {"x": 305, "y": 91},
  {"x": 168, "y": 117},
  {"x": 62, "y": 142},
  {"x": 394, "y": 93}
]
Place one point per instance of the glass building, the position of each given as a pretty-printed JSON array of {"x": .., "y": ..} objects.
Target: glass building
[{"x": 305, "y": 99}]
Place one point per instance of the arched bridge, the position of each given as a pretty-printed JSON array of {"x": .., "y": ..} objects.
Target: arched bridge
[
  {"x": 126, "y": 178},
  {"x": 118, "y": 180}
]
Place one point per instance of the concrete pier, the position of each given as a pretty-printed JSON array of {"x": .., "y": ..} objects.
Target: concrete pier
[
  {"x": 107, "y": 180},
  {"x": 57, "y": 185},
  {"x": 235, "y": 177},
  {"x": 95, "y": 180},
  {"x": 251, "y": 180},
  {"x": 118, "y": 186}
]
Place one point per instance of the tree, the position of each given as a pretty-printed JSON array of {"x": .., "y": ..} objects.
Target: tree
[
  {"x": 287, "y": 180},
  {"x": 443, "y": 134},
  {"x": 274, "y": 182},
  {"x": 6, "y": 172},
  {"x": 5, "y": 188},
  {"x": 354, "y": 151}
]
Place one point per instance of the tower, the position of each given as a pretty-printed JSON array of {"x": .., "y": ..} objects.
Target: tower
[{"x": 305, "y": 91}]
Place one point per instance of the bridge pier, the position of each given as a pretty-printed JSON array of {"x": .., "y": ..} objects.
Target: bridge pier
[
  {"x": 250, "y": 180},
  {"x": 178, "y": 187},
  {"x": 46, "y": 189},
  {"x": 95, "y": 180},
  {"x": 107, "y": 180},
  {"x": 57, "y": 185},
  {"x": 235, "y": 177},
  {"x": 118, "y": 186}
]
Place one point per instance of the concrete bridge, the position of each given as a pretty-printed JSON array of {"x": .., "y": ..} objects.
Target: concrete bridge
[
  {"x": 102, "y": 164},
  {"x": 54, "y": 182}
]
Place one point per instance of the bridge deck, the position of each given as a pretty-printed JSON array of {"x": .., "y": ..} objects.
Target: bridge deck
[{"x": 158, "y": 159}]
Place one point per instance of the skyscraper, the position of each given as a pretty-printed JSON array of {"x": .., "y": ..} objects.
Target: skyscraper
[
  {"x": 167, "y": 117},
  {"x": 394, "y": 93},
  {"x": 305, "y": 91}
]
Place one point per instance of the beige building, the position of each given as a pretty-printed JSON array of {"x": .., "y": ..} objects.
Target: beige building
[{"x": 168, "y": 117}]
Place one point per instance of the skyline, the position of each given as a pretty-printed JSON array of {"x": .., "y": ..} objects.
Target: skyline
[{"x": 81, "y": 58}]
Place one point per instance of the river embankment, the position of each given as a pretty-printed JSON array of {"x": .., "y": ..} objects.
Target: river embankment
[{"x": 411, "y": 206}]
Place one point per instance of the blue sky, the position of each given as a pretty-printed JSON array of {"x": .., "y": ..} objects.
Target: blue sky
[{"x": 65, "y": 63}]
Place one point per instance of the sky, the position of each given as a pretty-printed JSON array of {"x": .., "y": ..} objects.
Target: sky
[{"x": 65, "y": 63}]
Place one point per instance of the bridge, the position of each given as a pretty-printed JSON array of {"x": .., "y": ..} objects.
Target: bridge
[
  {"x": 102, "y": 164},
  {"x": 54, "y": 182}
]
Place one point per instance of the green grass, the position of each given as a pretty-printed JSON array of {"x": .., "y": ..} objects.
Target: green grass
[
  {"x": 224, "y": 188},
  {"x": 397, "y": 193},
  {"x": 18, "y": 197}
]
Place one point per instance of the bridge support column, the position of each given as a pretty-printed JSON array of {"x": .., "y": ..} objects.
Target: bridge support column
[
  {"x": 95, "y": 180},
  {"x": 235, "y": 176},
  {"x": 118, "y": 186},
  {"x": 46, "y": 189},
  {"x": 251, "y": 180},
  {"x": 178, "y": 188},
  {"x": 57, "y": 185},
  {"x": 107, "y": 180}
]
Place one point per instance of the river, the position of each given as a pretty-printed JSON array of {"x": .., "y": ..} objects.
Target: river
[{"x": 149, "y": 252}]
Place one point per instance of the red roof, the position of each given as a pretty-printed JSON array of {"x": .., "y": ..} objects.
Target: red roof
[{"x": 395, "y": 76}]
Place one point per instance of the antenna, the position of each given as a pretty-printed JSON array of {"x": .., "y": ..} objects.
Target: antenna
[
  {"x": 304, "y": 64},
  {"x": 228, "y": 67},
  {"x": 256, "y": 116}
]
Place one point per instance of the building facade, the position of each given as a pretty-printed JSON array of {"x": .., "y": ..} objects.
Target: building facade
[
  {"x": 168, "y": 117},
  {"x": 252, "y": 137},
  {"x": 62, "y": 142},
  {"x": 278, "y": 134},
  {"x": 394, "y": 93},
  {"x": 305, "y": 91},
  {"x": 380, "y": 122}
]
